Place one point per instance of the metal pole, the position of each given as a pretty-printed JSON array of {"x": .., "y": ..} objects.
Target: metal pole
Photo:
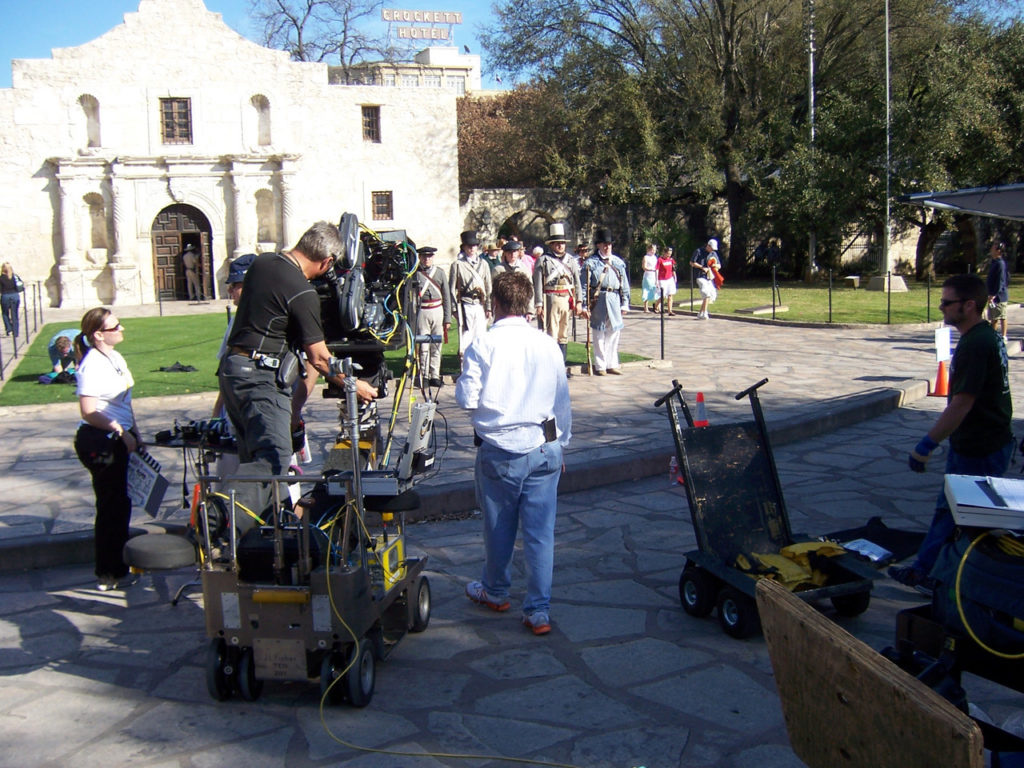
[
  {"x": 888, "y": 298},
  {"x": 887, "y": 266},
  {"x": 773, "y": 291},
  {"x": 928, "y": 304},
  {"x": 812, "y": 240},
  {"x": 662, "y": 321},
  {"x": 24, "y": 312},
  {"x": 830, "y": 294}
]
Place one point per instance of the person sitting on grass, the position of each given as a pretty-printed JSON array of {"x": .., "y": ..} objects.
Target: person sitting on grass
[{"x": 62, "y": 358}]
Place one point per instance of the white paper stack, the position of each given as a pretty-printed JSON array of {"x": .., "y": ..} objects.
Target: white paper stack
[{"x": 986, "y": 502}]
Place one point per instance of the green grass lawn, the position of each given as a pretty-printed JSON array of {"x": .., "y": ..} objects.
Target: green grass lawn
[
  {"x": 151, "y": 343},
  {"x": 810, "y": 302}
]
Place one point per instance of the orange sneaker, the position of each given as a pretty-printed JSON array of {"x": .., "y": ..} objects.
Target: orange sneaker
[
  {"x": 475, "y": 591},
  {"x": 537, "y": 622}
]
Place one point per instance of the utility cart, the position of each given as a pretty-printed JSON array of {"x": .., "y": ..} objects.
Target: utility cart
[
  {"x": 315, "y": 587},
  {"x": 742, "y": 526}
]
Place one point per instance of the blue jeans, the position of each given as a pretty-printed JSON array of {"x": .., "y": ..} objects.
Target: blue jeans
[
  {"x": 9, "y": 303},
  {"x": 994, "y": 464},
  {"x": 514, "y": 488}
]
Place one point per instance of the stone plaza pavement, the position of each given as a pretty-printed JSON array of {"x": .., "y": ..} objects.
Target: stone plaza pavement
[
  {"x": 626, "y": 678},
  {"x": 819, "y": 379}
]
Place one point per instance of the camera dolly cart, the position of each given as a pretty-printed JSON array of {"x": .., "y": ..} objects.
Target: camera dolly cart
[
  {"x": 743, "y": 534},
  {"x": 323, "y": 594}
]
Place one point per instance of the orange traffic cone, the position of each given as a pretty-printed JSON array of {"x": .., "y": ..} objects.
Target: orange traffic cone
[
  {"x": 941, "y": 382},
  {"x": 702, "y": 412}
]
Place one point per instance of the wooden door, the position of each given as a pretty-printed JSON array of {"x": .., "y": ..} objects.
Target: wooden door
[
  {"x": 167, "y": 265},
  {"x": 175, "y": 227}
]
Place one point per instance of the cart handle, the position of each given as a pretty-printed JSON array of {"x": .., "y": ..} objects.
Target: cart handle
[
  {"x": 754, "y": 388},
  {"x": 676, "y": 386}
]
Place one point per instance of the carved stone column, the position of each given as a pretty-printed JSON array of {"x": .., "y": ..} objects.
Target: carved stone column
[
  {"x": 71, "y": 257},
  {"x": 245, "y": 212},
  {"x": 289, "y": 226},
  {"x": 121, "y": 250}
]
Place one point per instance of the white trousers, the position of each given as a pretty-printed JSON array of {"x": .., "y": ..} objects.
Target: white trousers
[
  {"x": 431, "y": 323},
  {"x": 476, "y": 325},
  {"x": 606, "y": 349}
]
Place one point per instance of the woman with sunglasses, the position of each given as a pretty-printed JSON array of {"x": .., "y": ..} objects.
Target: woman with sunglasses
[{"x": 106, "y": 437}]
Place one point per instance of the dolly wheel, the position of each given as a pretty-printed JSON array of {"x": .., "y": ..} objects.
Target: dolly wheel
[
  {"x": 737, "y": 613},
  {"x": 218, "y": 670},
  {"x": 851, "y": 605},
  {"x": 361, "y": 677},
  {"x": 248, "y": 685},
  {"x": 420, "y": 594},
  {"x": 697, "y": 591},
  {"x": 331, "y": 667}
]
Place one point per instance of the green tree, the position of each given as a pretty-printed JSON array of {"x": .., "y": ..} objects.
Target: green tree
[{"x": 712, "y": 96}]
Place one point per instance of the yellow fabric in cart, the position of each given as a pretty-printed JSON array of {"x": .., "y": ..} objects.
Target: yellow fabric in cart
[{"x": 790, "y": 566}]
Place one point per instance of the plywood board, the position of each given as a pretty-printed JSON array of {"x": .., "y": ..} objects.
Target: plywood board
[{"x": 846, "y": 705}]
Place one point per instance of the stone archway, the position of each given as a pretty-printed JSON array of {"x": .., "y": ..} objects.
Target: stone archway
[
  {"x": 175, "y": 227},
  {"x": 530, "y": 227},
  {"x": 522, "y": 212}
]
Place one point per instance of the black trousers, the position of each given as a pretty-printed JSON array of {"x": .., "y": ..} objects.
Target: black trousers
[{"x": 107, "y": 462}]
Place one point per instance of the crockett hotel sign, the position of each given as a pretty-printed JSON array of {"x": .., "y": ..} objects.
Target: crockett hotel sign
[{"x": 396, "y": 16}]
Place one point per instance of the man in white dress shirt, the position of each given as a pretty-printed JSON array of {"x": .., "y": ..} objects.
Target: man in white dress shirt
[{"x": 513, "y": 384}]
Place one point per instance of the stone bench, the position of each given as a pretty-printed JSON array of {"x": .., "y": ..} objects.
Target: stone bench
[{"x": 853, "y": 281}]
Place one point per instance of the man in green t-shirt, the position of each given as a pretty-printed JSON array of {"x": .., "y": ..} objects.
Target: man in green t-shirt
[{"x": 976, "y": 418}]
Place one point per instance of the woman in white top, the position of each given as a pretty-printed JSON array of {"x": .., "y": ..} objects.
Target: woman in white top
[
  {"x": 106, "y": 437},
  {"x": 649, "y": 285}
]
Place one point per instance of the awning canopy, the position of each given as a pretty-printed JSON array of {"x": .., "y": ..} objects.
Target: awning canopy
[{"x": 1001, "y": 202}]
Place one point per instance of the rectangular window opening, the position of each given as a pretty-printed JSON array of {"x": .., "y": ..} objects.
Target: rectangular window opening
[
  {"x": 176, "y": 121},
  {"x": 371, "y": 124},
  {"x": 383, "y": 206}
]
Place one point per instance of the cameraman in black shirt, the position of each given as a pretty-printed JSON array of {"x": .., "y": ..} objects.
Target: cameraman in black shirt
[{"x": 279, "y": 313}]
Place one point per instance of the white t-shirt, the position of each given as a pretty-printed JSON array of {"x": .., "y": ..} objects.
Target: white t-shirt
[
  {"x": 105, "y": 376},
  {"x": 513, "y": 378}
]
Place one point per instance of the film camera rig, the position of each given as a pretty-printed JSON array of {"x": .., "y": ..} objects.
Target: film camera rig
[
  {"x": 361, "y": 298},
  {"x": 329, "y": 589}
]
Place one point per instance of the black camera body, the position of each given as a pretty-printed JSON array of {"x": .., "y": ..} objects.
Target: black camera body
[{"x": 360, "y": 297}]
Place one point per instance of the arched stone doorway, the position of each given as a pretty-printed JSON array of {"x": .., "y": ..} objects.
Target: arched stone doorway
[
  {"x": 530, "y": 227},
  {"x": 175, "y": 227}
]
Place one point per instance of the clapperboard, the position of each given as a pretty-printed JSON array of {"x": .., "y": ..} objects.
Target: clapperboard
[{"x": 146, "y": 486}]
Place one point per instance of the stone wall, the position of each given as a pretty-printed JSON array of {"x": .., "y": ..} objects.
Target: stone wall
[{"x": 85, "y": 169}]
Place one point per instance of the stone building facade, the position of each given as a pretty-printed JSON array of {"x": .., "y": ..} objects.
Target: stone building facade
[{"x": 172, "y": 129}]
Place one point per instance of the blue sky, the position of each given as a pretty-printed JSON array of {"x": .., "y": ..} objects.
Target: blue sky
[{"x": 30, "y": 28}]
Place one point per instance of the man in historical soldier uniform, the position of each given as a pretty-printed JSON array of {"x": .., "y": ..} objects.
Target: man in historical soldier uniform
[
  {"x": 435, "y": 313},
  {"x": 557, "y": 292},
  {"x": 470, "y": 284},
  {"x": 511, "y": 260},
  {"x": 607, "y": 297}
]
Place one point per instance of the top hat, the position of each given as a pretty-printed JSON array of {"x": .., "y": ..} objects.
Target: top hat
[
  {"x": 556, "y": 233},
  {"x": 238, "y": 268},
  {"x": 603, "y": 235},
  {"x": 469, "y": 237}
]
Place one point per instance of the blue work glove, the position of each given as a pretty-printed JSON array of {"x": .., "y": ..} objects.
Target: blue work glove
[{"x": 919, "y": 456}]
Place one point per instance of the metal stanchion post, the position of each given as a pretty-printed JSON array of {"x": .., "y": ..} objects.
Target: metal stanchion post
[
  {"x": 928, "y": 299},
  {"x": 661, "y": 291},
  {"x": 888, "y": 297},
  {"x": 830, "y": 294},
  {"x": 775, "y": 285}
]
